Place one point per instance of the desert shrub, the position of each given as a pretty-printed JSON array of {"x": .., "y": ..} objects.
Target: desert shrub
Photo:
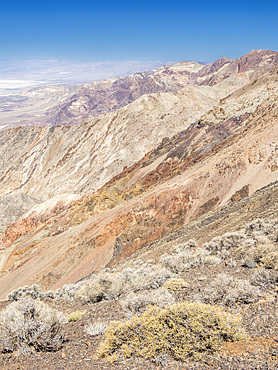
[
  {"x": 249, "y": 245},
  {"x": 211, "y": 260},
  {"x": 181, "y": 261},
  {"x": 262, "y": 227},
  {"x": 228, "y": 241},
  {"x": 136, "y": 303},
  {"x": 226, "y": 290},
  {"x": 258, "y": 252},
  {"x": 95, "y": 328},
  {"x": 150, "y": 277},
  {"x": 48, "y": 294},
  {"x": 190, "y": 244},
  {"x": 176, "y": 262},
  {"x": 270, "y": 260},
  {"x": 110, "y": 285},
  {"x": 28, "y": 323},
  {"x": 262, "y": 278},
  {"x": 175, "y": 284},
  {"x": 161, "y": 360},
  {"x": 76, "y": 315},
  {"x": 144, "y": 277},
  {"x": 32, "y": 291},
  {"x": 263, "y": 232},
  {"x": 69, "y": 292},
  {"x": 138, "y": 262},
  {"x": 106, "y": 285},
  {"x": 180, "y": 331}
]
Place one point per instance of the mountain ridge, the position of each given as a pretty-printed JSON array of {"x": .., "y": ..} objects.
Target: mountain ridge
[{"x": 59, "y": 105}]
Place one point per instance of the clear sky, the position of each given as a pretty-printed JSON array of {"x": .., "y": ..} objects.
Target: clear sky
[{"x": 88, "y": 30}]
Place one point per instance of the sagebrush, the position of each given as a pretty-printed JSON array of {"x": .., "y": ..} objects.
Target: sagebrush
[{"x": 27, "y": 323}]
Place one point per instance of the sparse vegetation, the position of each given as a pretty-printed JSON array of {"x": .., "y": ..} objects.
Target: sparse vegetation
[
  {"x": 262, "y": 278},
  {"x": 105, "y": 285},
  {"x": 110, "y": 285},
  {"x": 182, "y": 260},
  {"x": 270, "y": 260},
  {"x": 158, "y": 329}
]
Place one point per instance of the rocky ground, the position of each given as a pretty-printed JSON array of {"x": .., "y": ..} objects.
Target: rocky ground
[
  {"x": 258, "y": 309},
  {"x": 79, "y": 349}
]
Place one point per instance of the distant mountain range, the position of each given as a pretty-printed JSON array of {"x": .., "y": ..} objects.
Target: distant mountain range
[{"x": 31, "y": 72}]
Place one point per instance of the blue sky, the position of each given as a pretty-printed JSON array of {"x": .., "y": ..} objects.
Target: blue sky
[{"x": 88, "y": 30}]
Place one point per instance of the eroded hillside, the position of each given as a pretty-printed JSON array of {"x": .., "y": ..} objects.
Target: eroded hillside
[
  {"x": 226, "y": 155},
  {"x": 44, "y": 162}
]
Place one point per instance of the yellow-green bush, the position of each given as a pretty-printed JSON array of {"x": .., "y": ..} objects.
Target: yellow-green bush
[
  {"x": 270, "y": 261},
  {"x": 175, "y": 284},
  {"x": 182, "y": 330},
  {"x": 76, "y": 315}
]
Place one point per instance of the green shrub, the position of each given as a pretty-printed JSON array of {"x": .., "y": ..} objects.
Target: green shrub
[{"x": 180, "y": 331}]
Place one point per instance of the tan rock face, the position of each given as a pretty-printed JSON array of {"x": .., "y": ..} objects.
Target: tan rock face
[
  {"x": 45, "y": 162},
  {"x": 13, "y": 206},
  {"x": 245, "y": 99}
]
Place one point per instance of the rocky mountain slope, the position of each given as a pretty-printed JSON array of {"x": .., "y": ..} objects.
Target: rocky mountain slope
[
  {"x": 13, "y": 206},
  {"x": 83, "y": 158},
  {"x": 229, "y": 153},
  {"x": 175, "y": 271},
  {"x": 100, "y": 97},
  {"x": 164, "y": 210},
  {"x": 63, "y": 152}
]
